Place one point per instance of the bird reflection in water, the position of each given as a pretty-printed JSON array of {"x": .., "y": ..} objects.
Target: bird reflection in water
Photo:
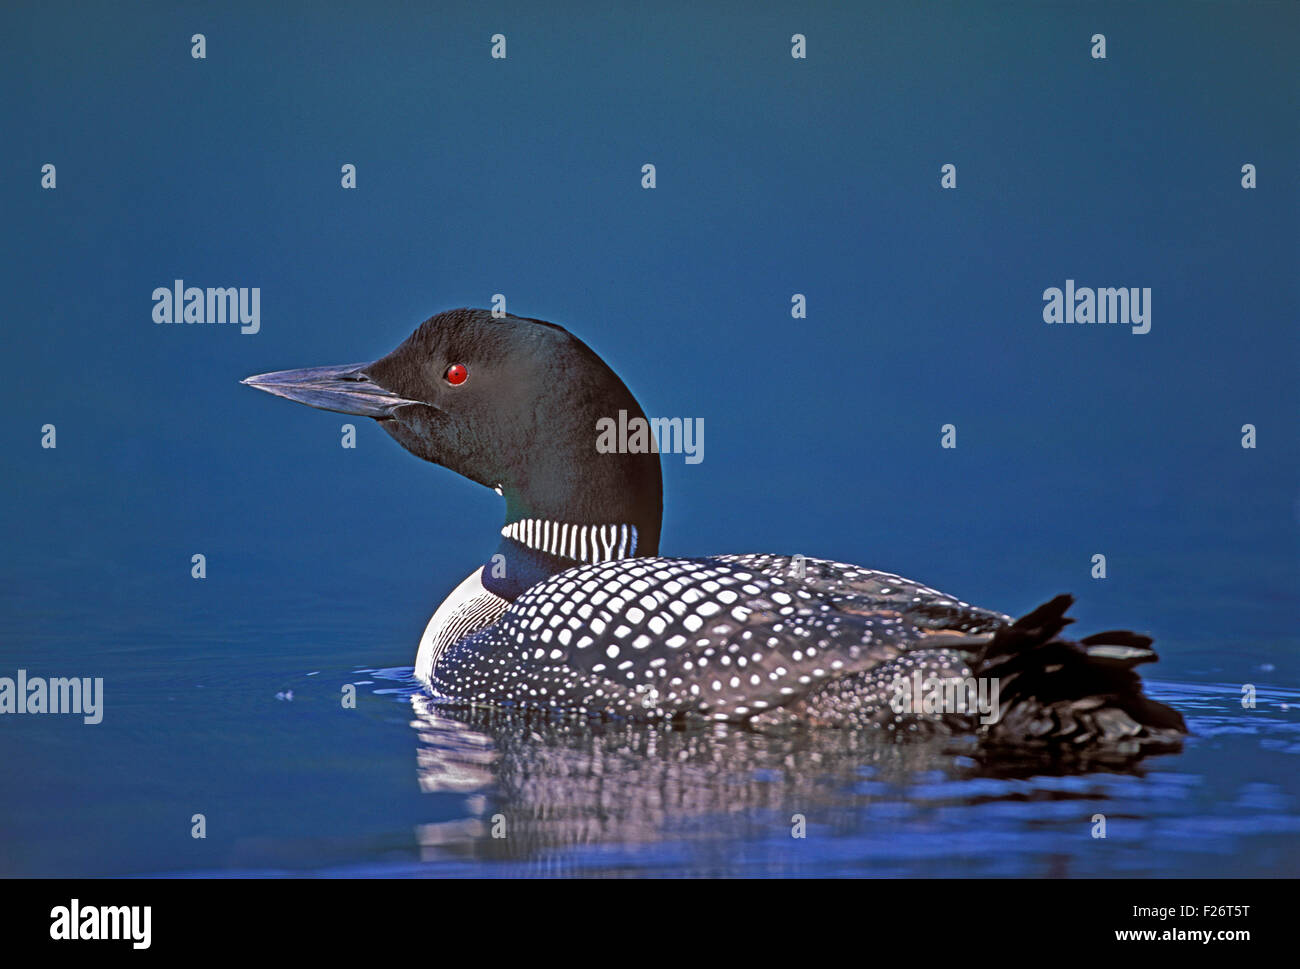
[{"x": 564, "y": 796}]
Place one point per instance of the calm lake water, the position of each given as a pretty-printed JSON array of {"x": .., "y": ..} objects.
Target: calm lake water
[{"x": 255, "y": 737}]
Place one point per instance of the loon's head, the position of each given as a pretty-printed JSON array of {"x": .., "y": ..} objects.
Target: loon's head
[{"x": 513, "y": 404}]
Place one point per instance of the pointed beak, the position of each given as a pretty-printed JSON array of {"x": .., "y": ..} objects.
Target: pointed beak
[{"x": 347, "y": 389}]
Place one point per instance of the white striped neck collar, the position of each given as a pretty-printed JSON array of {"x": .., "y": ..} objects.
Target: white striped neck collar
[{"x": 581, "y": 543}]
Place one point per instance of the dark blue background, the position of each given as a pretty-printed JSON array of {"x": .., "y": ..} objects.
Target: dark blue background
[{"x": 480, "y": 176}]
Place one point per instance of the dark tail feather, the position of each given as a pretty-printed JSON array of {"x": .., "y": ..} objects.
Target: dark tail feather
[{"x": 1064, "y": 693}]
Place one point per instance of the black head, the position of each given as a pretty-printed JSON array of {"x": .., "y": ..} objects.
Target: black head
[{"x": 509, "y": 402}]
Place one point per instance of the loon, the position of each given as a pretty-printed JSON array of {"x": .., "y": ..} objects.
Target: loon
[{"x": 576, "y": 612}]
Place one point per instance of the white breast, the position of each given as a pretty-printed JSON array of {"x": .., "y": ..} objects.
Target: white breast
[{"x": 469, "y": 608}]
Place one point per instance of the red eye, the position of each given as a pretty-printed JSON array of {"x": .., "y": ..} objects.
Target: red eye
[{"x": 456, "y": 374}]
